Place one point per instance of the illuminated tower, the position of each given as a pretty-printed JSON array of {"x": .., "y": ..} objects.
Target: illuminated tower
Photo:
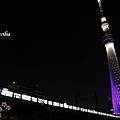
[{"x": 113, "y": 65}]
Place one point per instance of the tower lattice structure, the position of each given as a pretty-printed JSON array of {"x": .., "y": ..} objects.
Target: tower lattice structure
[{"x": 114, "y": 69}]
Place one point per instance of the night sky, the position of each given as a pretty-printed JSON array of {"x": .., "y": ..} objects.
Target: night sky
[{"x": 58, "y": 45}]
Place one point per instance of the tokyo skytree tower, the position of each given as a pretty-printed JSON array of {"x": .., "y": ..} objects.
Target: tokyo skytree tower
[{"x": 114, "y": 70}]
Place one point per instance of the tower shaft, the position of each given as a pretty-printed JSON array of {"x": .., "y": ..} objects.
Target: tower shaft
[
  {"x": 114, "y": 72},
  {"x": 113, "y": 65}
]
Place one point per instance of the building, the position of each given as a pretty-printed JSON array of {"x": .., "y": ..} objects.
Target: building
[
  {"x": 27, "y": 107},
  {"x": 36, "y": 90},
  {"x": 113, "y": 65}
]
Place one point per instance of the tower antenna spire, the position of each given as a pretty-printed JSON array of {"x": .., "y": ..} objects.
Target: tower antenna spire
[
  {"x": 100, "y": 6},
  {"x": 105, "y": 24}
]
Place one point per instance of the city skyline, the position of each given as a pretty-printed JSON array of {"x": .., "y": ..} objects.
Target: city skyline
[{"x": 58, "y": 46}]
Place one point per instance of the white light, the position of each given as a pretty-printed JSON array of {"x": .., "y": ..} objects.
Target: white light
[
  {"x": 65, "y": 105},
  {"x": 9, "y": 94},
  {"x": 95, "y": 112},
  {"x": 5, "y": 92},
  {"x": 74, "y": 107},
  {"x": 17, "y": 95},
  {"x": 40, "y": 101},
  {"x": 83, "y": 110},
  {"x": 49, "y": 102},
  {"x": 90, "y": 111},
  {"x": 0, "y": 109},
  {"x": 55, "y": 104},
  {"x": 61, "y": 105},
  {"x": 99, "y": 1},
  {"x": 45, "y": 101},
  {"x": 103, "y": 19},
  {"x": 78, "y": 108},
  {"x": 110, "y": 44},
  {"x": 105, "y": 27},
  {"x": 34, "y": 99},
  {"x": 26, "y": 97},
  {"x": 70, "y": 107},
  {"x": 5, "y": 89}
]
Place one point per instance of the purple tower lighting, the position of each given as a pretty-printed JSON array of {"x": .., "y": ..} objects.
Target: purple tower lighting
[{"x": 113, "y": 65}]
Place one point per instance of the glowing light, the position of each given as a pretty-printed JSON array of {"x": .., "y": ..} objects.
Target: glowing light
[
  {"x": 103, "y": 19},
  {"x": 61, "y": 105},
  {"x": 5, "y": 92},
  {"x": 16, "y": 95},
  {"x": 105, "y": 27},
  {"x": 74, "y": 108},
  {"x": 34, "y": 99},
  {"x": 114, "y": 69},
  {"x": 100, "y": 6},
  {"x": 45, "y": 101},
  {"x": 109, "y": 45},
  {"x": 26, "y": 97},
  {"x": 57, "y": 104},
  {"x": 5, "y": 89},
  {"x": 14, "y": 82},
  {"x": 40, "y": 101},
  {"x": 114, "y": 76},
  {"x": 65, "y": 105},
  {"x": 8, "y": 107},
  {"x": 70, "y": 107},
  {"x": 0, "y": 109},
  {"x": 49, "y": 102},
  {"x": 4, "y": 104}
]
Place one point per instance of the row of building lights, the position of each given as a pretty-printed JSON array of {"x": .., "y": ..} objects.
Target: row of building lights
[{"x": 6, "y": 92}]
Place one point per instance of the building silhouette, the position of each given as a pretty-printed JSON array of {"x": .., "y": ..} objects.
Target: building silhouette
[{"x": 26, "y": 106}]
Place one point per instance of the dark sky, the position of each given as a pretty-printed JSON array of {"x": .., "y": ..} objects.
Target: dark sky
[{"x": 58, "y": 45}]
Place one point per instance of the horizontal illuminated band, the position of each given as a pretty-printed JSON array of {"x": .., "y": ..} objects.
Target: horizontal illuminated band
[
  {"x": 109, "y": 45},
  {"x": 106, "y": 40},
  {"x": 6, "y": 92},
  {"x": 104, "y": 24}
]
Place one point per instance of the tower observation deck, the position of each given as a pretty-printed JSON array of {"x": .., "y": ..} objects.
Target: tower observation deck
[{"x": 114, "y": 69}]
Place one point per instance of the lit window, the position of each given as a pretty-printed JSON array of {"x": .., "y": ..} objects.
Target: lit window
[
  {"x": 40, "y": 101},
  {"x": 74, "y": 107},
  {"x": 34, "y": 99},
  {"x": 7, "y": 93},
  {"x": 26, "y": 97},
  {"x": 45, "y": 101},
  {"x": 55, "y": 104},
  {"x": 49, "y": 102},
  {"x": 16, "y": 95},
  {"x": 65, "y": 105},
  {"x": 70, "y": 106},
  {"x": 61, "y": 105}
]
